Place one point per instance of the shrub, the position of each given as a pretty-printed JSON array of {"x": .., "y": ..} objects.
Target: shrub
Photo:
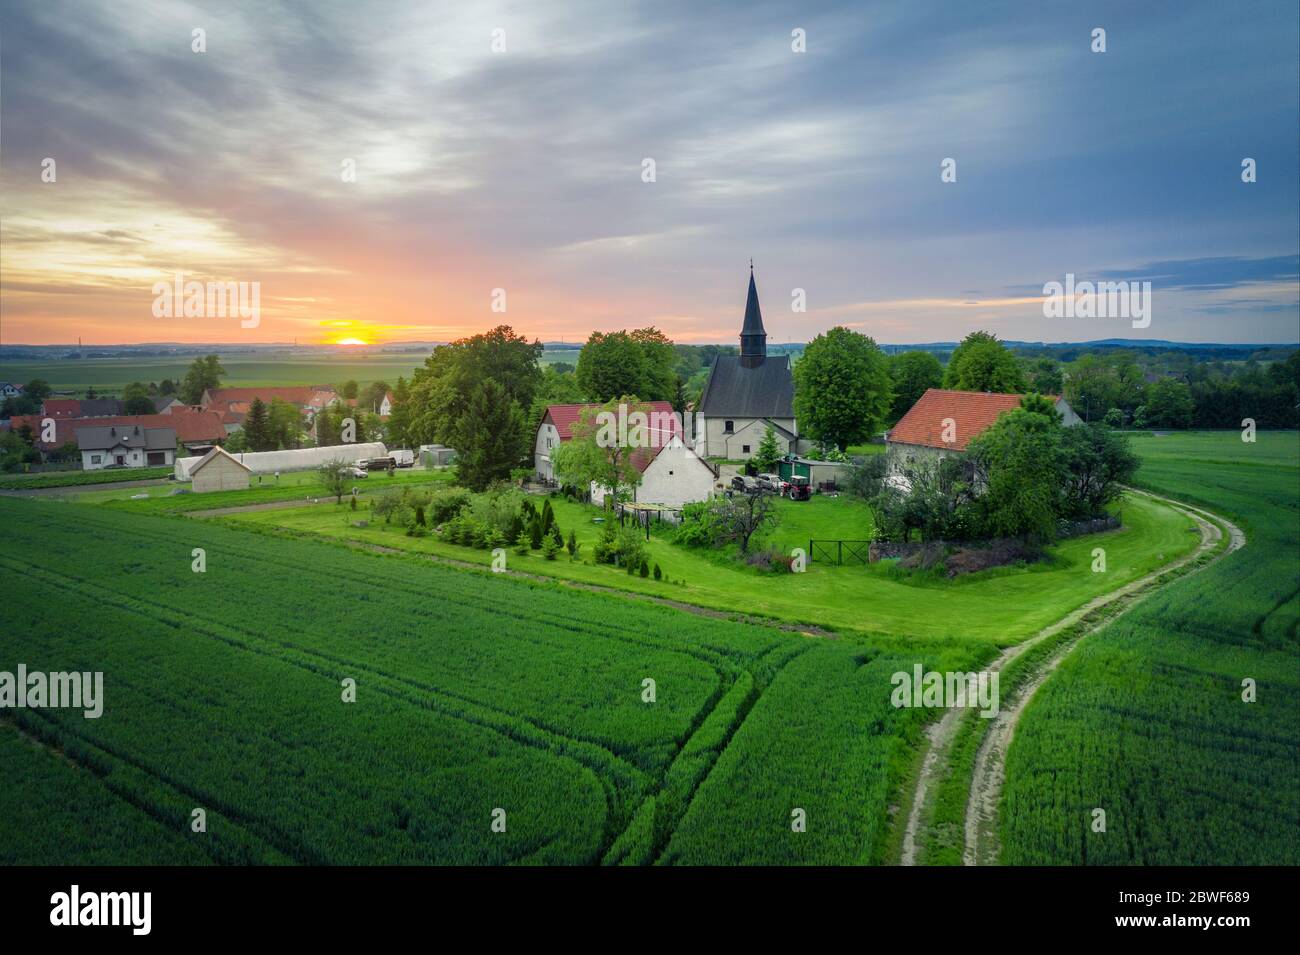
[
  {"x": 573, "y": 544},
  {"x": 659, "y": 574},
  {"x": 550, "y": 547},
  {"x": 696, "y": 528},
  {"x": 446, "y": 504},
  {"x": 622, "y": 546},
  {"x": 645, "y": 568}
]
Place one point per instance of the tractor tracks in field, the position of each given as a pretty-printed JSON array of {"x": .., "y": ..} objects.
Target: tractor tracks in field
[{"x": 980, "y": 822}]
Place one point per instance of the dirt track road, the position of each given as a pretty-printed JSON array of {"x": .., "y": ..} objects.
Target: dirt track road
[{"x": 990, "y": 764}]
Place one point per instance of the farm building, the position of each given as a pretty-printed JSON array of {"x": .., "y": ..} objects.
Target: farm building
[
  {"x": 295, "y": 459},
  {"x": 817, "y": 472},
  {"x": 436, "y": 455},
  {"x": 671, "y": 475},
  {"x": 218, "y": 470},
  {"x": 945, "y": 422},
  {"x": 125, "y": 447},
  {"x": 557, "y": 427},
  {"x": 745, "y": 394}
]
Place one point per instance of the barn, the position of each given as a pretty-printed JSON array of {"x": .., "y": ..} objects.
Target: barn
[
  {"x": 218, "y": 470},
  {"x": 943, "y": 423}
]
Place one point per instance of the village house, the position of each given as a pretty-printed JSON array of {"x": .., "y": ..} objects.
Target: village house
[
  {"x": 943, "y": 423},
  {"x": 81, "y": 407},
  {"x": 194, "y": 430},
  {"x": 166, "y": 404},
  {"x": 672, "y": 474},
  {"x": 9, "y": 389},
  {"x": 305, "y": 398},
  {"x": 746, "y": 394},
  {"x": 125, "y": 447}
]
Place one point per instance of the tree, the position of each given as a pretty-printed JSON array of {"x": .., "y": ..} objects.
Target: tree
[
  {"x": 204, "y": 374},
  {"x": 768, "y": 454},
  {"x": 1045, "y": 376},
  {"x": 1022, "y": 465},
  {"x": 1169, "y": 405},
  {"x": 842, "y": 388},
  {"x": 373, "y": 396},
  {"x": 982, "y": 363},
  {"x": 489, "y": 436},
  {"x": 136, "y": 400},
  {"x": 1040, "y": 404},
  {"x": 1097, "y": 463},
  {"x": 349, "y": 389},
  {"x": 932, "y": 496},
  {"x": 442, "y": 390},
  {"x": 912, "y": 373},
  {"x": 639, "y": 363},
  {"x": 737, "y": 519},
  {"x": 38, "y": 389},
  {"x": 335, "y": 477},
  {"x": 283, "y": 425},
  {"x": 256, "y": 427},
  {"x": 399, "y": 421}
]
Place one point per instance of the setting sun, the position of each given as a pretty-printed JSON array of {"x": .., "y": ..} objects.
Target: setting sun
[{"x": 351, "y": 341}]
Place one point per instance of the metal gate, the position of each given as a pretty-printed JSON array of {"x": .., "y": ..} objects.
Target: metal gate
[{"x": 840, "y": 552}]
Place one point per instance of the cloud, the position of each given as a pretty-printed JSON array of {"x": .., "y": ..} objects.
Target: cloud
[{"x": 522, "y": 169}]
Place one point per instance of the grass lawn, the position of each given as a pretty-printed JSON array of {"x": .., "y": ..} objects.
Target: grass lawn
[
  {"x": 293, "y": 486},
  {"x": 1002, "y": 606}
]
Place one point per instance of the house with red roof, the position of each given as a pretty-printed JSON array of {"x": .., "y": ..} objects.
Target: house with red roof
[
  {"x": 944, "y": 422},
  {"x": 192, "y": 429},
  {"x": 672, "y": 474}
]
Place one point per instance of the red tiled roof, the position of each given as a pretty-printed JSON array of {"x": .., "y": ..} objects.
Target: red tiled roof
[
  {"x": 61, "y": 407},
  {"x": 971, "y": 412},
  {"x": 223, "y": 397},
  {"x": 190, "y": 426},
  {"x": 564, "y": 417}
]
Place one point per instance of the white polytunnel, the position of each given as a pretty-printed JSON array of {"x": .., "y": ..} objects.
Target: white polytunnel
[{"x": 294, "y": 459}]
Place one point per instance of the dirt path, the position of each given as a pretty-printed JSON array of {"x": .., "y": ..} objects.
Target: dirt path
[
  {"x": 982, "y": 846},
  {"x": 986, "y": 787}
]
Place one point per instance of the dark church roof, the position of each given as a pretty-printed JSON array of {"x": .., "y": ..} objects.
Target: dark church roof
[
  {"x": 763, "y": 391},
  {"x": 750, "y": 385}
]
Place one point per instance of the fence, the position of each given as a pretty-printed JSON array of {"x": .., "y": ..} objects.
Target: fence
[{"x": 840, "y": 551}]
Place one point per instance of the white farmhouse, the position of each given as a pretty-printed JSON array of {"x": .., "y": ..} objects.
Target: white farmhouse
[{"x": 671, "y": 475}]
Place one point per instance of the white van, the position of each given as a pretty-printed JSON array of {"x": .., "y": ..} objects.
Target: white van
[{"x": 404, "y": 458}]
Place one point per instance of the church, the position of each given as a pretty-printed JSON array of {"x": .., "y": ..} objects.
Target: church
[{"x": 745, "y": 394}]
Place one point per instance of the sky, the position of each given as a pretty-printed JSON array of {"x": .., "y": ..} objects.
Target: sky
[{"x": 522, "y": 168}]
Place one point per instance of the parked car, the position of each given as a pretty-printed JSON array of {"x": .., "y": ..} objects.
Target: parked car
[
  {"x": 353, "y": 471},
  {"x": 377, "y": 464},
  {"x": 743, "y": 484},
  {"x": 771, "y": 483}
]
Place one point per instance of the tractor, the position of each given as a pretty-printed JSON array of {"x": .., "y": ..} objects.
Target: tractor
[{"x": 800, "y": 488}]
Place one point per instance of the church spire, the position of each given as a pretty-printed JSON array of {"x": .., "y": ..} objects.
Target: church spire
[{"x": 753, "y": 339}]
